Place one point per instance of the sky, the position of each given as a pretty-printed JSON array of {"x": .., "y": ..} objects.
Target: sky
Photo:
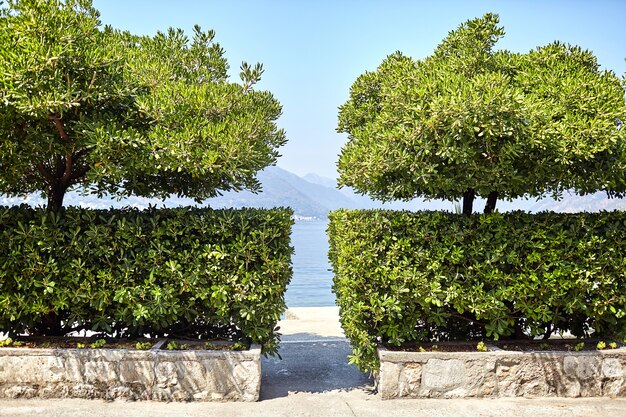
[{"x": 312, "y": 51}]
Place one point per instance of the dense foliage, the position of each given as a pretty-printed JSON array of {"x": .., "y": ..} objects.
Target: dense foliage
[
  {"x": 185, "y": 272},
  {"x": 431, "y": 276},
  {"x": 111, "y": 112},
  {"x": 472, "y": 120}
]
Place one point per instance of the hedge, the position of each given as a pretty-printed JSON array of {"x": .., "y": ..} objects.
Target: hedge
[
  {"x": 405, "y": 277},
  {"x": 185, "y": 272}
]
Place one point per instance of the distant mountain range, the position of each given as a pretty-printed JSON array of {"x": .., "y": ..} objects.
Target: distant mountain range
[
  {"x": 282, "y": 188},
  {"x": 572, "y": 203},
  {"x": 309, "y": 196},
  {"x": 313, "y": 196}
]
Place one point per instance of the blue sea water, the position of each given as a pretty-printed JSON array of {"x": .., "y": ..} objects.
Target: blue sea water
[{"x": 312, "y": 279}]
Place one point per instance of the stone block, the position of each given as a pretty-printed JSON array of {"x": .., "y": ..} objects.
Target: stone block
[
  {"x": 220, "y": 377},
  {"x": 166, "y": 374},
  {"x": 112, "y": 373},
  {"x": 100, "y": 372},
  {"x": 480, "y": 376},
  {"x": 582, "y": 367},
  {"x": 612, "y": 368},
  {"x": 31, "y": 369},
  {"x": 140, "y": 372},
  {"x": 501, "y": 374},
  {"x": 192, "y": 376},
  {"x": 85, "y": 391},
  {"x": 411, "y": 377},
  {"x": 73, "y": 370},
  {"x": 443, "y": 375},
  {"x": 389, "y": 380},
  {"x": 20, "y": 391}
]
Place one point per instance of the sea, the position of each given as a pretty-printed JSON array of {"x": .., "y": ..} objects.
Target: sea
[{"x": 312, "y": 277}]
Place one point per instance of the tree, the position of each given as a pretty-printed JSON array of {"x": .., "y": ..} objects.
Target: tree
[
  {"x": 87, "y": 106},
  {"x": 471, "y": 121}
]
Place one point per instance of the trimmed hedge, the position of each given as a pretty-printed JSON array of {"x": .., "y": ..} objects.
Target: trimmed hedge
[
  {"x": 186, "y": 272},
  {"x": 430, "y": 276}
]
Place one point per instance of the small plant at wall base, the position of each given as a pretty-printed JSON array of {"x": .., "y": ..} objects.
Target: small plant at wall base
[
  {"x": 174, "y": 345},
  {"x": 98, "y": 344},
  {"x": 8, "y": 342},
  {"x": 143, "y": 346}
]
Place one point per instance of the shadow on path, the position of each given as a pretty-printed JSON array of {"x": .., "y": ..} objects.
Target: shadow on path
[{"x": 311, "y": 363}]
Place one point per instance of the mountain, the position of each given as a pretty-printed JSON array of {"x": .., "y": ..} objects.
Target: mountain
[
  {"x": 281, "y": 188},
  {"x": 572, "y": 203},
  {"x": 569, "y": 203},
  {"x": 313, "y": 196},
  {"x": 319, "y": 180},
  {"x": 365, "y": 202}
]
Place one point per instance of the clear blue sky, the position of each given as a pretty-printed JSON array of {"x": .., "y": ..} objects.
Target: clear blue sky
[{"x": 312, "y": 51}]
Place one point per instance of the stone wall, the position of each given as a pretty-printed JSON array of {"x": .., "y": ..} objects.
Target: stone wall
[
  {"x": 502, "y": 374},
  {"x": 116, "y": 373}
]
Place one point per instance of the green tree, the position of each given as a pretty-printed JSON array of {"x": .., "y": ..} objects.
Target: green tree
[
  {"x": 87, "y": 106},
  {"x": 472, "y": 121}
]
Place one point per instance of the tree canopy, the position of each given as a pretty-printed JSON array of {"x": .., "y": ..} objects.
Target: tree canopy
[
  {"x": 471, "y": 120},
  {"x": 82, "y": 105}
]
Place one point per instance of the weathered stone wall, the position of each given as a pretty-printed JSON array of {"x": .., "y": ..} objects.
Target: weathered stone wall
[
  {"x": 502, "y": 374},
  {"x": 116, "y": 373}
]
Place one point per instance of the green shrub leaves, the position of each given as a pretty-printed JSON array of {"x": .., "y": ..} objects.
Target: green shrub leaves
[
  {"x": 475, "y": 120},
  {"x": 185, "y": 272},
  {"x": 431, "y": 276}
]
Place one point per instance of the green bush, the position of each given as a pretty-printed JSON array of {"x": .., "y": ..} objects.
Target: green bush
[
  {"x": 429, "y": 276},
  {"x": 184, "y": 272}
]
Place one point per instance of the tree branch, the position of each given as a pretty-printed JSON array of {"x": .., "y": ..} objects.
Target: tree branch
[
  {"x": 69, "y": 159},
  {"x": 80, "y": 153},
  {"x": 93, "y": 81},
  {"x": 462, "y": 317},
  {"x": 77, "y": 176},
  {"x": 59, "y": 125},
  {"x": 43, "y": 171},
  {"x": 60, "y": 165},
  {"x": 21, "y": 127},
  {"x": 492, "y": 199}
]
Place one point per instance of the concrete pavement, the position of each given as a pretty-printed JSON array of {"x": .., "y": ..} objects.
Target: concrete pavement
[
  {"x": 313, "y": 379},
  {"x": 353, "y": 403}
]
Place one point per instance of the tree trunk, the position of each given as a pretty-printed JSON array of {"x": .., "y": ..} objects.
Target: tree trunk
[
  {"x": 491, "y": 202},
  {"x": 56, "y": 193},
  {"x": 519, "y": 331},
  {"x": 468, "y": 201},
  {"x": 50, "y": 325}
]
